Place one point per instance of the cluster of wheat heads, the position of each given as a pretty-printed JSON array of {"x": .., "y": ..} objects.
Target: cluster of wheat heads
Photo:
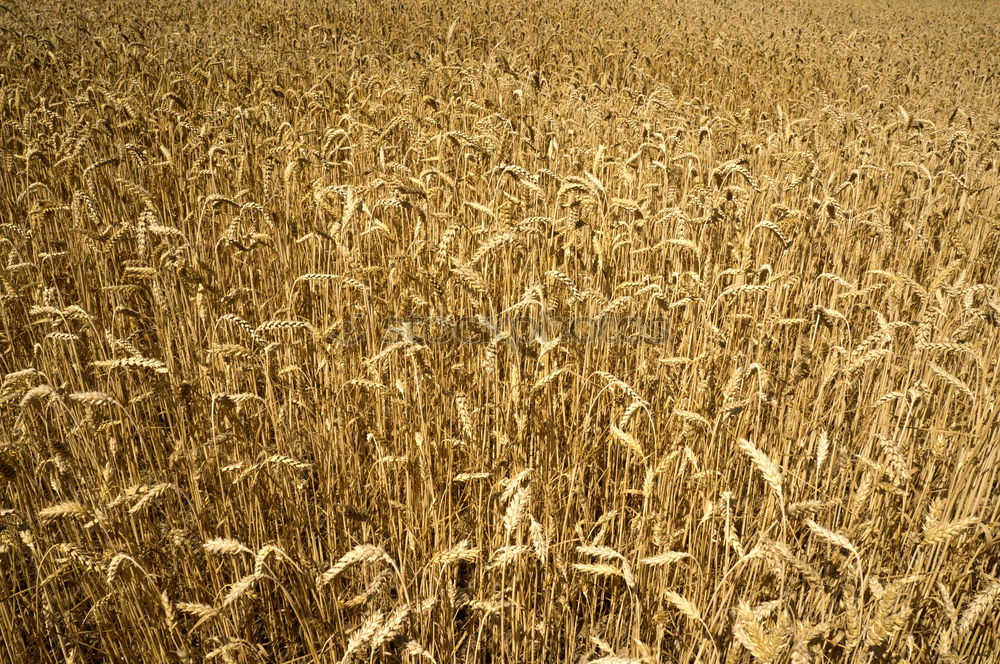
[{"x": 266, "y": 394}]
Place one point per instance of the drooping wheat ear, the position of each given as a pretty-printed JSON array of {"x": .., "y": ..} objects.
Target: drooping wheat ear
[
  {"x": 93, "y": 399},
  {"x": 628, "y": 440},
  {"x": 768, "y": 469},
  {"x": 539, "y": 543},
  {"x": 774, "y": 228},
  {"x": 391, "y": 627},
  {"x": 765, "y": 645},
  {"x": 363, "y": 635},
  {"x": 899, "y": 466},
  {"x": 386, "y": 352},
  {"x": 691, "y": 416},
  {"x": 952, "y": 380},
  {"x": 280, "y": 325},
  {"x": 979, "y": 606},
  {"x": 615, "y": 305},
  {"x": 426, "y": 605},
  {"x": 471, "y": 278},
  {"x": 65, "y": 510},
  {"x": 244, "y": 326},
  {"x": 510, "y": 485},
  {"x": 460, "y": 552},
  {"x": 598, "y": 569},
  {"x": 266, "y": 551},
  {"x": 445, "y": 243},
  {"x": 373, "y": 588},
  {"x": 599, "y": 552},
  {"x": 949, "y": 607},
  {"x": 287, "y": 462},
  {"x": 839, "y": 540},
  {"x": 936, "y": 532},
  {"x": 739, "y": 289},
  {"x": 362, "y": 553},
  {"x": 492, "y": 348},
  {"x": 859, "y": 501},
  {"x": 227, "y": 651},
  {"x": 38, "y": 393},
  {"x": 822, "y": 450},
  {"x": 240, "y": 588},
  {"x": 944, "y": 645},
  {"x": 20, "y": 375},
  {"x": 133, "y": 363},
  {"x": 837, "y": 280},
  {"x": 626, "y": 417},
  {"x": 465, "y": 415},
  {"x": 232, "y": 351},
  {"x": 115, "y": 565},
  {"x": 614, "y": 381},
  {"x": 202, "y": 611},
  {"x": 556, "y": 275},
  {"x": 602, "y": 645},
  {"x": 831, "y": 537},
  {"x": 547, "y": 379},
  {"x": 169, "y": 615},
  {"x": 495, "y": 242},
  {"x": 665, "y": 558},
  {"x": 414, "y": 649},
  {"x": 355, "y": 284},
  {"x": 462, "y": 478},
  {"x": 683, "y": 605},
  {"x": 605, "y": 553},
  {"x": 62, "y": 336},
  {"x": 150, "y": 494},
  {"x": 506, "y": 555},
  {"x": 728, "y": 530},
  {"x": 366, "y": 384},
  {"x": 516, "y": 508}
]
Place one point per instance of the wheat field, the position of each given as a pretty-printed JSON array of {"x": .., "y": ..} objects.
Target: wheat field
[{"x": 608, "y": 332}]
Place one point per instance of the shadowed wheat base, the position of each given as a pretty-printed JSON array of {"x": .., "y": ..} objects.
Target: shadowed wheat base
[{"x": 221, "y": 440}]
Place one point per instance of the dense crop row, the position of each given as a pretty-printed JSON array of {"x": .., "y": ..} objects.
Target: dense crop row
[{"x": 507, "y": 332}]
